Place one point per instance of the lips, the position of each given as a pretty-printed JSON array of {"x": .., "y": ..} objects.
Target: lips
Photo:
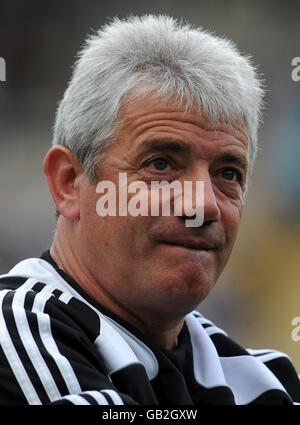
[
  {"x": 194, "y": 247},
  {"x": 192, "y": 244}
]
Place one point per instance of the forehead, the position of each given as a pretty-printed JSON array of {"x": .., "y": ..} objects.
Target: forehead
[{"x": 149, "y": 118}]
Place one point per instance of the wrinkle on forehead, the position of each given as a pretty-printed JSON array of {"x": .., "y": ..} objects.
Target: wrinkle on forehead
[{"x": 142, "y": 112}]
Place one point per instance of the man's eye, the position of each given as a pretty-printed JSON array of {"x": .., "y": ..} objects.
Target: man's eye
[
  {"x": 160, "y": 164},
  {"x": 230, "y": 174}
]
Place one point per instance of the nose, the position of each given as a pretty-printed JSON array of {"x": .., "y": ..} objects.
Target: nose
[
  {"x": 211, "y": 209},
  {"x": 202, "y": 197}
]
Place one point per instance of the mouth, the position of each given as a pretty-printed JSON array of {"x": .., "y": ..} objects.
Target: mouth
[{"x": 191, "y": 246}]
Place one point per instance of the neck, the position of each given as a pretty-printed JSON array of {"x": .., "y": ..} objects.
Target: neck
[
  {"x": 161, "y": 331},
  {"x": 165, "y": 338}
]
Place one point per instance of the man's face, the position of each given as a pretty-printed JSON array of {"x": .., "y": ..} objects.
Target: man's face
[{"x": 156, "y": 264}]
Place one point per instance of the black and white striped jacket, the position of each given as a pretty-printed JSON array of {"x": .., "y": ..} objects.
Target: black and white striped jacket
[{"x": 60, "y": 347}]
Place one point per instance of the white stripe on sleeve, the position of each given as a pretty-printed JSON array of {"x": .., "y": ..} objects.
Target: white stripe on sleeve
[
  {"x": 30, "y": 344},
  {"x": 44, "y": 324},
  {"x": 14, "y": 360},
  {"x": 98, "y": 397},
  {"x": 114, "y": 396},
  {"x": 77, "y": 399}
]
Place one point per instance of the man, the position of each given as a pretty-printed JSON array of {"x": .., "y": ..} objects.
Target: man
[{"x": 107, "y": 315}]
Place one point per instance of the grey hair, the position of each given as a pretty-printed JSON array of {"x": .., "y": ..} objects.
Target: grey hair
[{"x": 154, "y": 54}]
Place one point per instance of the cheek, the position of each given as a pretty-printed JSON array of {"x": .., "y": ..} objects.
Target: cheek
[
  {"x": 231, "y": 214},
  {"x": 113, "y": 238},
  {"x": 93, "y": 228}
]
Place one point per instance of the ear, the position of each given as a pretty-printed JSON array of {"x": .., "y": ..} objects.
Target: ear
[{"x": 63, "y": 170}]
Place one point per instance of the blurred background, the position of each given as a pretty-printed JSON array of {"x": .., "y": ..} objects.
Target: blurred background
[{"x": 258, "y": 295}]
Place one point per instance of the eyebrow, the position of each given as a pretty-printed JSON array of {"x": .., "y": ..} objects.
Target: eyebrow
[
  {"x": 233, "y": 158},
  {"x": 164, "y": 145}
]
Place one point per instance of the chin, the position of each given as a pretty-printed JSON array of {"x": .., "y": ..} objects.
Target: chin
[{"x": 188, "y": 292}]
